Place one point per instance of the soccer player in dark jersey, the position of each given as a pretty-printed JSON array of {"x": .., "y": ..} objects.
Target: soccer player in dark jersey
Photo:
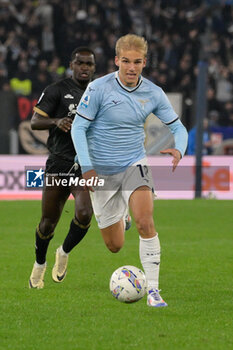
[{"x": 55, "y": 111}]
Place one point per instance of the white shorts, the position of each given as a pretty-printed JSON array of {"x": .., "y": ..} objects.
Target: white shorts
[{"x": 110, "y": 203}]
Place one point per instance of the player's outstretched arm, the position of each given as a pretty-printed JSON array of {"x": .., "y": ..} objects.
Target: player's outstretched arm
[
  {"x": 79, "y": 138},
  {"x": 40, "y": 122},
  {"x": 181, "y": 141}
]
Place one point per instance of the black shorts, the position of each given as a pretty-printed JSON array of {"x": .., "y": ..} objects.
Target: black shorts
[{"x": 61, "y": 167}]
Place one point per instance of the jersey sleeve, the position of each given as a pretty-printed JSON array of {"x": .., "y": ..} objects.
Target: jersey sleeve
[
  {"x": 79, "y": 137},
  {"x": 180, "y": 135},
  {"x": 48, "y": 101},
  {"x": 164, "y": 110},
  {"x": 90, "y": 102}
]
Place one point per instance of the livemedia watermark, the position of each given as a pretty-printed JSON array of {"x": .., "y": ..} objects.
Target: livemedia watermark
[
  {"x": 37, "y": 178},
  {"x": 214, "y": 178}
]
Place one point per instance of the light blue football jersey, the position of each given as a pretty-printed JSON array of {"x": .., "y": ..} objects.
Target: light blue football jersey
[{"x": 108, "y": 130}]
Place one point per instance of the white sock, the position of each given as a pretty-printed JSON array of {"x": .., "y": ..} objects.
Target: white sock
[
  {"x": 149, "y": 249},
  {"x": 62, "y": 252},
  {"x": 40, "y": 265}
]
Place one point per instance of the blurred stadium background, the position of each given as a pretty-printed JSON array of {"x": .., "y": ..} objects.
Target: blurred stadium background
[{"x": 37, "y": 38}]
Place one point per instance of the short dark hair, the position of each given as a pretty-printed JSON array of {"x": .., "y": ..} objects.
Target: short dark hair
[{"x": 81, "y": 49}]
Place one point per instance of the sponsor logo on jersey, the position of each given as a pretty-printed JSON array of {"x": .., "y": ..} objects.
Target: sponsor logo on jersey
[
  {"x": 116, "y": 102},
  {"x": 85, "y": 101},
  {"x": 68, "y": 96}
]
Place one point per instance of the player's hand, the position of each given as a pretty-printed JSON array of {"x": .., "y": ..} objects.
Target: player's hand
[
  {"x": 64, "y": 124},
  {"x": 175, "y": 154},
  {"x": 88, "y": 176}
]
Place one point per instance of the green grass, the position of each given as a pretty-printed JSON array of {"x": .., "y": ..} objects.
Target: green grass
[{"x": 80, "y": 313}]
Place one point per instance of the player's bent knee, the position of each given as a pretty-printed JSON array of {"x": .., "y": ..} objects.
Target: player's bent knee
[
  {"x": 47, "y": 226},
  {"x": 114, "y": 248},
  {"x": 84, "y": 215}
]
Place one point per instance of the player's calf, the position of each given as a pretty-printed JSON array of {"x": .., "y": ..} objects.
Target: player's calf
[
  {"x": 114, "y": 236},
  {"x": 42, "y": 243},
  {"x": 76, "y": 233}
]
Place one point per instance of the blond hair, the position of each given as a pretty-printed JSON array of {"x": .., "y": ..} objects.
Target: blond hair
[{"x": 131, "y": 41}]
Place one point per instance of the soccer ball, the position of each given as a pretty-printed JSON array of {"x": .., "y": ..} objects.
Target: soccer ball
[{"x": 128, "y": 284}]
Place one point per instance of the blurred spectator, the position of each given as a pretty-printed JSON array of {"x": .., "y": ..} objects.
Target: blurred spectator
[
  {"x": 47, "y": 42},
  {"x": 8, "y": 120},
  {"x": 226, "y": 115},
  {"x": 44, "y": 12},
  {"x": 33, "y": 27},
  {"x": 3, "y": 66},
  {"x": 39, "y": 83},
  {"x": 207, "y": 145},
  {"x": 56, "y": 70},
  {"x": 185, "y": 68},
  {"x": 224, "y": 87},
  {"x": 33, "y": 52},
  {"x": 230, "y": 116},
  {"x": 21, "y": 83},
  {"x": 213, "y": 117},
  {"x": 212, "y": 103}
]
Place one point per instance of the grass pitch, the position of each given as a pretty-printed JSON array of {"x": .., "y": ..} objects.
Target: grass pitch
[{"x": 80, "y": 313}]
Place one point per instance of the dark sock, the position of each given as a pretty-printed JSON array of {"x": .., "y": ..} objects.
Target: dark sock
[
  {"x": 75, "y": 235},
  {"x": 42, "y": 243}
]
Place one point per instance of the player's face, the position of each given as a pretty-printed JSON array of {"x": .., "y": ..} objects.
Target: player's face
[
  {"x": 131, "y": 64},
  {"x": 83, "y": 67}
]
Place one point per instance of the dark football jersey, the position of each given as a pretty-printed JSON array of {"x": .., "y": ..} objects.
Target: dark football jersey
[{"x": 60, "y": 100}]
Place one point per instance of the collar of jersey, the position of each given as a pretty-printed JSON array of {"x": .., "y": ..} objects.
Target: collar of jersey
[{"x": 125, "y": 87}]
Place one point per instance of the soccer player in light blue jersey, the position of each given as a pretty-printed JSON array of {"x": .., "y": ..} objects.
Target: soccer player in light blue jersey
[{"x": 108, "y": 135}]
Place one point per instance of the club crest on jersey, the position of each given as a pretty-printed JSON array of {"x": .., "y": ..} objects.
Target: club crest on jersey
[
  {"x": 85, "y": 101},
  {"x": 143, "y": 102}
]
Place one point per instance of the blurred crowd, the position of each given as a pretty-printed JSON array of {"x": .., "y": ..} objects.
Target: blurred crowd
[{"x": 38, "y": 36}]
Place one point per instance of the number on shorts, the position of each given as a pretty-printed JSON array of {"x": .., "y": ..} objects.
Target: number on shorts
[{"x": 141, "y": 170}]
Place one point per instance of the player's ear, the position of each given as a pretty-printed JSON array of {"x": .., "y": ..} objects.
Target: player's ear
[
  {"x": 71, "y": 65},
  {"x": 117, "y": 61},
  {"x": 144, "y": 62}
]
